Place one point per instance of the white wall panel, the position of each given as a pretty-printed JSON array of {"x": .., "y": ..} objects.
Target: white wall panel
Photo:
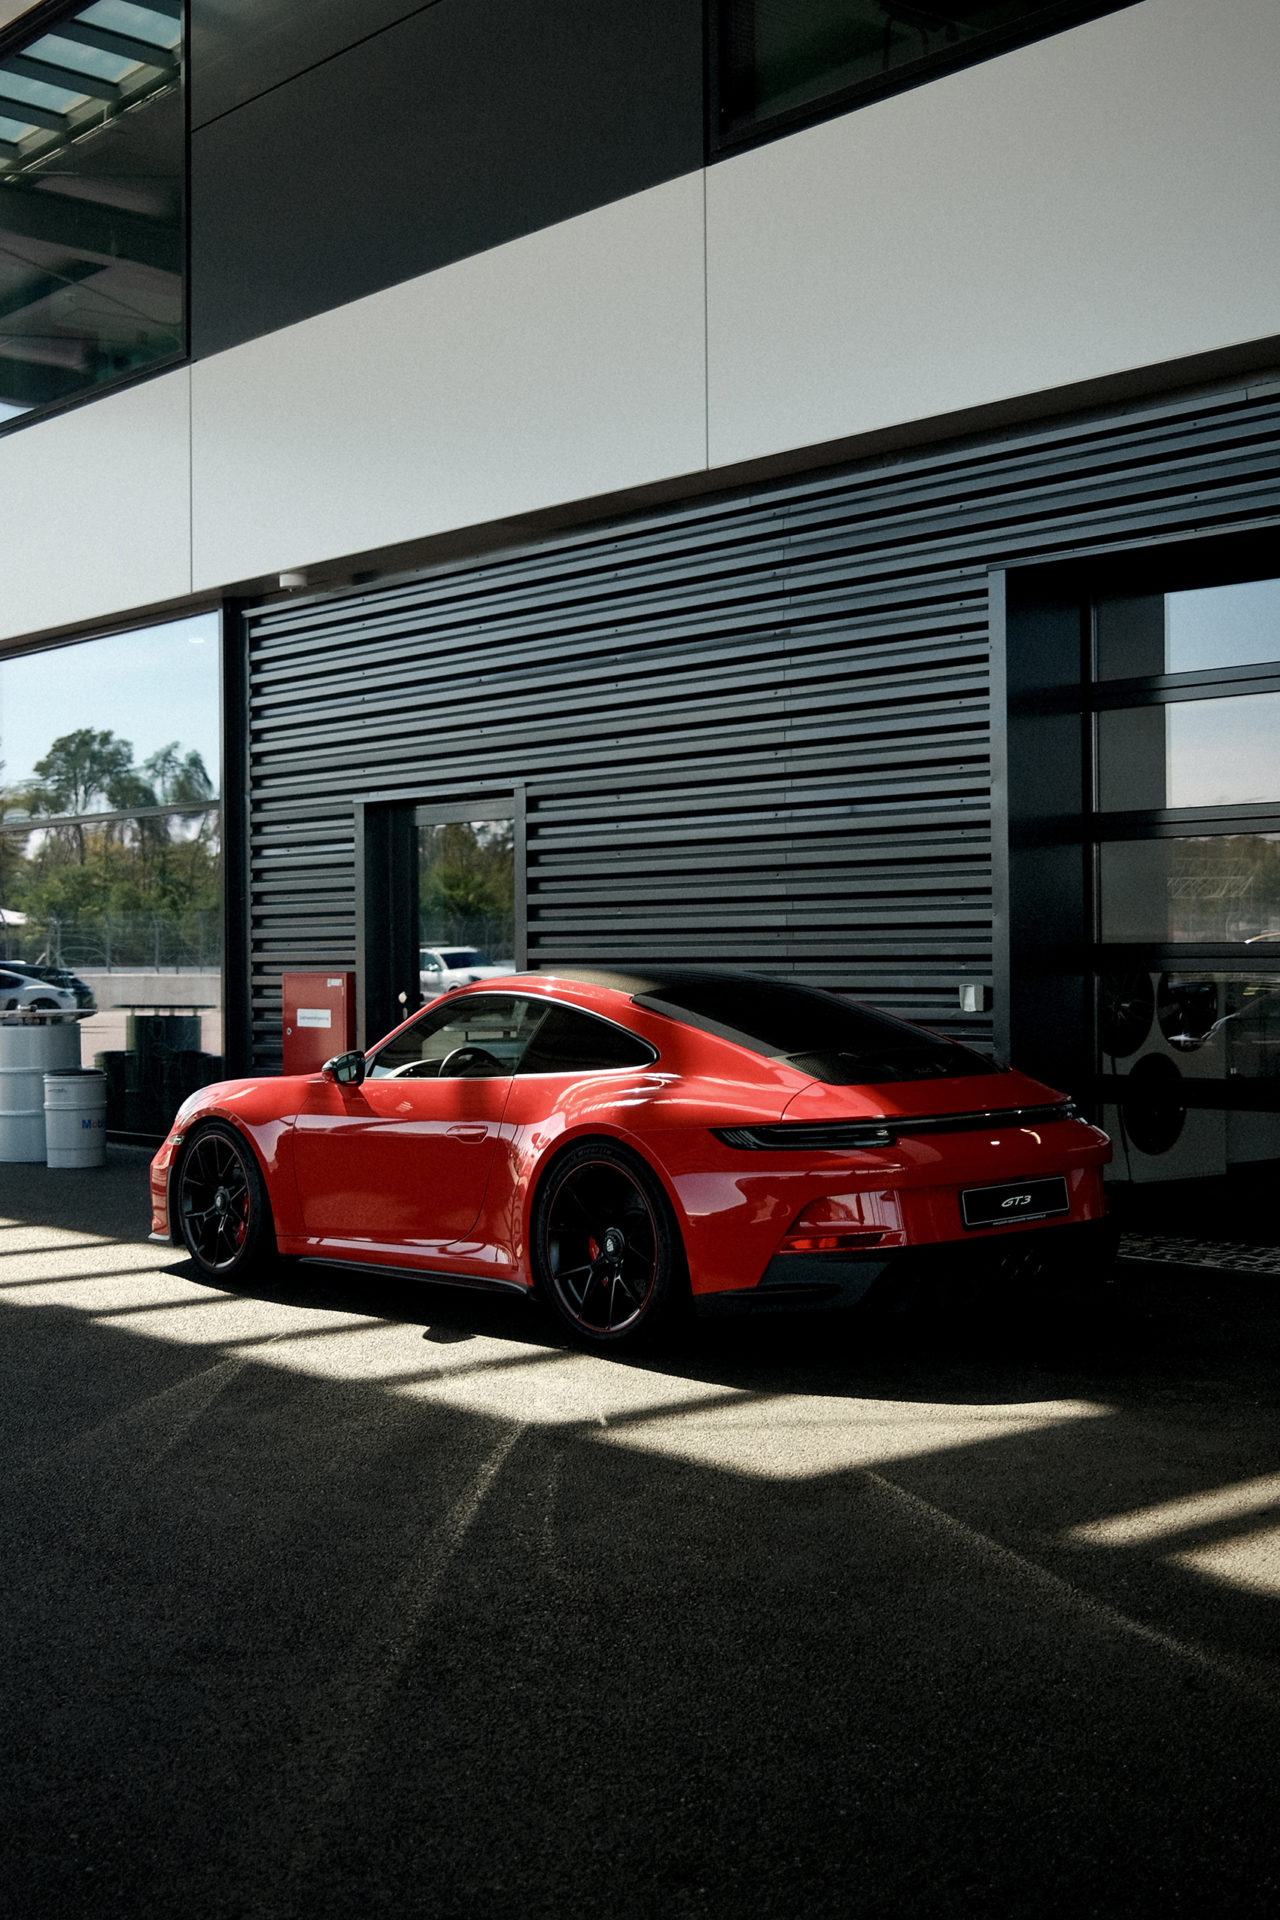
[
  {"x": 96, "y": 514},
  {"x": 565, "y": 364},
  {"x": 1105, "y": 199}
]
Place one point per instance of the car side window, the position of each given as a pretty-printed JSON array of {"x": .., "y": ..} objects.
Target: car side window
[
  {"x": 475, "y": 1037},
  {"x": 573, "y": 1042}
]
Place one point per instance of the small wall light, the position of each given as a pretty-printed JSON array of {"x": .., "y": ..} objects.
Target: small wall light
[
  {"x": 294, "y": 578},
  {"x": 974, "y": 997}
]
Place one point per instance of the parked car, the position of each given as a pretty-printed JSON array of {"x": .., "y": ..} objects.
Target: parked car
[
  {"x": 442, "y": 967},
  {"x": 619, "y": 1143},
  {"x": 56, "y": 977},
  {"x": 20, "y": 993}
]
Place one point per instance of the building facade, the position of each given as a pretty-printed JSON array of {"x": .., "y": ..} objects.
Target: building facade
[{"x": 791, "y": 485}]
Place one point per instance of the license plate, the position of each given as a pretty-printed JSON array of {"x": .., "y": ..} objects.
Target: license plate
[{"x": 1016, "y": 1200}]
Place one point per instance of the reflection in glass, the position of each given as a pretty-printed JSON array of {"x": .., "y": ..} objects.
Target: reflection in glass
[
  {"x": 778, "y": 55},
  {"x": 1190, "y": 753},
  {"x": 92, "y": 192},
  {"x": 1231, "y": 1021},
  {"x": 1237, "y": 626},
  {"x": 110, "y": 852},
  {"x": 1193, "y": 1061},
  {"x": 132, "y": 908},
  {"x": 466, "y": 898},
  {"x": 1222, "y": 887},
  {"x": 144, "y": 707},
  {"x": 1191, "y": 632}
]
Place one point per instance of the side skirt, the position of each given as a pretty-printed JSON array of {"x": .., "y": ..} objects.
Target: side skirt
[{"x": 474, "y": 1282}]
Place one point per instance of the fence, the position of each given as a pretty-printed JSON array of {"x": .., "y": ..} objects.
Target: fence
[{"x": 150, "y": 940}]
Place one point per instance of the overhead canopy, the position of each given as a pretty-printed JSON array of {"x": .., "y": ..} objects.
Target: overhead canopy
[{"x": 91, "y": 242}]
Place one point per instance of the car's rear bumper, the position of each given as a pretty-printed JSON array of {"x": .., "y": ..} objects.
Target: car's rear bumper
[{"x": 1076, "y": 1257}]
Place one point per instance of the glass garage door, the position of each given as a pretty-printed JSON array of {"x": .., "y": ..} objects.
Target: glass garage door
[{"x": 1186, "y": 753}]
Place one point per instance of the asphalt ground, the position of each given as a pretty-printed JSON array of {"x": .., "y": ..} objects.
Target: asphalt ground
[{"x": 332, "y": 1597}]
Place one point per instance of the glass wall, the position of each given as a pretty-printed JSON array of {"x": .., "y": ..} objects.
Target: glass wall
[
  {"x": 1187, "y": 860},
  {"x": 92, "y": 198},
  {"x": 781, "y": 60},
  {"x": 110, "y": 853}
]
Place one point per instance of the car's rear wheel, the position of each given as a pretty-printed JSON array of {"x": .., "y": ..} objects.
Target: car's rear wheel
[
  {"x": 224, "y": 1213},
  {"x": 607, "y": 1256}
]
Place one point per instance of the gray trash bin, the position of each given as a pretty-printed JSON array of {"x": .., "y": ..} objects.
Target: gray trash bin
[{"x": 75, "y": 1117}]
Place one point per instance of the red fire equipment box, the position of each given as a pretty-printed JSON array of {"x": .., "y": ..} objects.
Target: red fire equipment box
[{"x": 319, "y": 1018}]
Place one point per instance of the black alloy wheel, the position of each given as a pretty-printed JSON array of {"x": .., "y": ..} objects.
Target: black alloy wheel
[
  {"x": 223, "y": 1210},
  {"x": 607, "y": 1255}
]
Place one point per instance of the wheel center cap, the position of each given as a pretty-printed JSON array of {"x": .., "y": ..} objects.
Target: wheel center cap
[
  {"x": 614, "y": 1244},
  {"x": 221, "y": 1199}
]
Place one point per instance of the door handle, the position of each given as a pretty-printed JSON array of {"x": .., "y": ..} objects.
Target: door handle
[{"x": 472, "y": 1134}]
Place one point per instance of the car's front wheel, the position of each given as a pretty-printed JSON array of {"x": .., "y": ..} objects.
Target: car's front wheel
[
  {"x": 224, "y": 1213},
  {"x": 607, "y": 1256}
]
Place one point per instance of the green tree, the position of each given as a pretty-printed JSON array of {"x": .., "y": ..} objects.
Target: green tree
[{"x": 82, "y": 767}]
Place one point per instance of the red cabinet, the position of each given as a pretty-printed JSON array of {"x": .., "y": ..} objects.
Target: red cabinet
[{"x": 319, "y": 1018}]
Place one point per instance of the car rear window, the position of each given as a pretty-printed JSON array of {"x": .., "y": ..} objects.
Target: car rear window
[
  {"x": 833, "y": 1040},
  {"x": 573, "y": 1042}
]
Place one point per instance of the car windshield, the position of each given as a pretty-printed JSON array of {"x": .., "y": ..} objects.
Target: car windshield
[{"x": 832, "y": 1040}]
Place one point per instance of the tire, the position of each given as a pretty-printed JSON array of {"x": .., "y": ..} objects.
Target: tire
[
  {"x": 606, "y": 1252},
  {"x": 223, "y": 1210}
]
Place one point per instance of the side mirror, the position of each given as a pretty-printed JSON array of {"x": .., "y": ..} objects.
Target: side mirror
[{"x": 346, "y": 1068}]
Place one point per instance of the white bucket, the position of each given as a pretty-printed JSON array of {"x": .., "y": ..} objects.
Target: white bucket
[
  {"x": 75, "y": 1117},
  {"x": 27, "y": 1052}
]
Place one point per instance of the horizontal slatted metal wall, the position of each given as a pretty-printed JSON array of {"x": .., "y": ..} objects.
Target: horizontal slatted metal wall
[{"x": 752, "y": 732}]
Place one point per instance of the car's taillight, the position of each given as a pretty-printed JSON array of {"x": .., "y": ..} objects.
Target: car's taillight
[{"x": 829, "y": 1225}]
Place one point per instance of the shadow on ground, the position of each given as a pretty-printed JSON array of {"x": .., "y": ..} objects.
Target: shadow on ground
[{"x": 345, "y": 1596}]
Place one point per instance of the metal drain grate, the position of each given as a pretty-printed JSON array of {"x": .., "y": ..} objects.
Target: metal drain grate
[{"x": 1228, "y": 1256}]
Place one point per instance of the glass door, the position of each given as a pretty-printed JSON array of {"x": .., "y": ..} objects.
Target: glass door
[
  {"x": 1186, "y": 836},
  {"x": 466, "y": 887}
]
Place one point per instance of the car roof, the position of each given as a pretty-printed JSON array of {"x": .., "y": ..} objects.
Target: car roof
[{"x": 633, "y": 980}]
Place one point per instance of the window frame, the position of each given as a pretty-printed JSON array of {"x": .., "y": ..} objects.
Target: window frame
[
  {"x": 446, "y": 1012},
  {"x": 726, "y": 136},
  {"x": 385, "y": 825},
  {"x": 547, "y": 1006},
  {"x": 1046, "y": 826},
  {"x": 600, "y": 1020},
  {"x": 21, "y": 32},
  {"x": 1105, "y": 825}
]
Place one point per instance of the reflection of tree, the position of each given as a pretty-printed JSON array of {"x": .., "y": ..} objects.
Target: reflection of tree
[
  {"x": 88, "y": 771},
  {"x": 142, "y": 888},
  {"x": 177, "y": 779},
  {"x": 79, "y": 769},
  {"x": 465, "y": 884}
]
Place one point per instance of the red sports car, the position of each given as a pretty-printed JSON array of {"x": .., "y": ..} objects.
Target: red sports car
[{"x": 620, "y": 1142}]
